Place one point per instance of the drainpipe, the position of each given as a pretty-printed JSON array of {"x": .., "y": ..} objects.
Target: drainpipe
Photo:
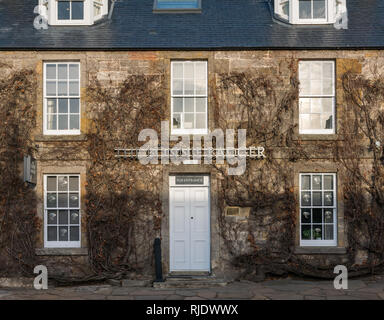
[{"x": 111, "y": 10}]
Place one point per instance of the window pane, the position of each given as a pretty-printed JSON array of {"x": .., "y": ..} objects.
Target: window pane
[
  {"x": 189, "y": 72},
  {"x": 73, "y": 183},
  {"x": 52, "y": 122},
  {"x": 328, "y": 182},
  {"x": 63, "y": 10},
  {"x": 319, "y": 9},
  {"x": 177, "y": 104},
  {"x": 63, "y": 105},
  {"x": 63, "y": 233},
  {"x": 306, "y": 199},
  {"x": 74, "y": 200},
  {"x": 200, "y": 120},
  {"x": 326, "y": 120},
  {"x": 52, "y": 216},
  {"x": 328, "y": 215},
  {"x": 74, "y": 105},
  {"x": 62, "y": 88},
  {"x": 328, "y": 232},
  {"x": 315, "y": 121},
  {"x": 63, "y": 217},
  {"x": 51, "y": 88},
  {"x": 63, "y": 122},
  {"x": 317, "y": 232},
  {"x": 305, "y": 9},
  {"x": 52, "y": 234},
  {"x": 201, "y": 87},
  {"x": 63, "y": 71},
  {"x": 74, "y": 234},
  {"x": 327, "y": 105},
  {"x": 51, "y": 106},
  {"x": 177, "y": 87},
  {"x": 201, "y": 104},
  {"x": 317, "y": 198},
  {"x": 328, "y": 70},
  {"x": 305, "y": 182},
  {"x": 201, "y": 70},
  {"x": 74, "y": 71},
  {"x": 63, "y": 200},
  {"x": 51, "y": 71},
  {"x": 189, "y": 87},
  {"x": 74, "y": 217},
  {"x": 306, "y": 232},
  {"x": 316, "y": 182},
  {"x": 328, "y": 198},
  {"x": 316, "y": 106},
  {"x": 306, "y": 216},
  {"x": 62, "y": 183},
  {"x": 317, "y": 215},
  {"x": 51, "y": 200},
  {"x": 189, "y": 120},
  {"x": 77, "y": 10},
  {"x": 176, "y": 121},
  {"x": 189, "y": 105},
  {"x": 177, "y": 71},
  {"x": 305, "y": 122},
  {"x": 73, "y": 88},
  {"x": 74, "y": 122},
  {"x": 51, "y": 184},
  {"x": 177, "y": 4}
]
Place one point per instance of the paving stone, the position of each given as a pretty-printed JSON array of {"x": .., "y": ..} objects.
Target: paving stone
[
  {"x": 174, "y": 297},
  {"x": 260, "y": 297},
  {"x": 120, "y": 298},
  {"x": 342, "y": 298},
  {"x": 207, "y": 294},
  {"x": 235, "y": 295},
  {"x": 194, "y": 298},
  {"x": 286, "y": 296},
  {"x": 356, "y": 284},
  {"x": 149, "y": 297},
  {"x": 364, "y": 295},
  {"x": 186, "y": 293},
  {"x": 314, "y": 298},
  {"x": 381, "y": 295}
]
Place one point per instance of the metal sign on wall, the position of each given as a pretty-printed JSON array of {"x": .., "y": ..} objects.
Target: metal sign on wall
[
  {"x": 30, "y": 170},
  {"x": 181, "y": 180}
]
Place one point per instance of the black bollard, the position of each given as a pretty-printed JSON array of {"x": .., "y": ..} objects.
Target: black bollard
[{"x": 158, "y": 264}]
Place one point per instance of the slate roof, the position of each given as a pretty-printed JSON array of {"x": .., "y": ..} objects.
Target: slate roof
[{"x": 223, "y": 24}]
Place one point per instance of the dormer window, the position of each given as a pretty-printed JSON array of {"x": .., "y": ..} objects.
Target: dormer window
[
  {"x": 309, "y": 11},
  {"x": 74, "y": 12}
]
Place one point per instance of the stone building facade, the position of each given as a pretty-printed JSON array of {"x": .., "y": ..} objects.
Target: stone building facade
[{"x": 200, "y": 222}]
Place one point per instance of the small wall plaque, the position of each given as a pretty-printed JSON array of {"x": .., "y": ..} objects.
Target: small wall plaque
[
  {"x": 30, "y": 170},
  {"x": 195, "y": 180}
]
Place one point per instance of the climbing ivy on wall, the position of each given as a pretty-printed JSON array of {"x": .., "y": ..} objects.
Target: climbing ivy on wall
[{"x": 18, "y": 222}]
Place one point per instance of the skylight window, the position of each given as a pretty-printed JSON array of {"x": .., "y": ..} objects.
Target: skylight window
[{"x": 177, "y": 5}]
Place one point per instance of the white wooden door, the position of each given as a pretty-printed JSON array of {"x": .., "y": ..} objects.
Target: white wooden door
[{"x": 189, "y": 229}]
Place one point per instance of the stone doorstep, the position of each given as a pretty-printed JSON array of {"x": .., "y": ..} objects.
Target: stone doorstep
[{"x": 190, "y": 282}]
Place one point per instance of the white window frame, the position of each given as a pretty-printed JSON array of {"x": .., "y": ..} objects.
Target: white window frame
[
  {"x": 182, "y": 131},
  {"x": 60, "y": 244},
  {"x": 333, "y": 96},
  {"x": 89, "y": 18},
  {"x": 294, "y": 16},
  {"x": 320, "y": 243},
  {"x": 45, "y": 97}
]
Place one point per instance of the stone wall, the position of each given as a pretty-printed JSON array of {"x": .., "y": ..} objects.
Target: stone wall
[{"x": 110, "y": 69}]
